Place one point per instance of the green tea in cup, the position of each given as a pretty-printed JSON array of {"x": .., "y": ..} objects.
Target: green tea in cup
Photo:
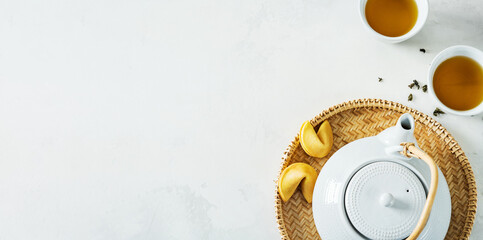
[
  {"x": 458, "y": 83},
  {"x": 391, "y": 18}
]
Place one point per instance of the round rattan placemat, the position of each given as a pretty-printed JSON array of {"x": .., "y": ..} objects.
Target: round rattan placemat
[{"x": 367, "y": 117}]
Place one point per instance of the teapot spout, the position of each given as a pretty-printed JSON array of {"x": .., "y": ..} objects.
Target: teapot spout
[
  {"x": 406, "y": 121},
  {"x": 403, "y": 131}
]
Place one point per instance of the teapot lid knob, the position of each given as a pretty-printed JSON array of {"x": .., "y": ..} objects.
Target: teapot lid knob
[{"x": 387, "y": 200}]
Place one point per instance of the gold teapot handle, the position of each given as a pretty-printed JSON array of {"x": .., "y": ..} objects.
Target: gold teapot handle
[{"x": 410, "y": 150}]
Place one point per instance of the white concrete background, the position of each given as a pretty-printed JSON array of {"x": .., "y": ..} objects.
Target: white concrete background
[{"x": 167, "y": 119}]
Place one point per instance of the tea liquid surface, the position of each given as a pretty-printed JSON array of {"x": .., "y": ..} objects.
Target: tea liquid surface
[
  {"x": 392, "y": 18},
  {"x": 458, "y": 83}
]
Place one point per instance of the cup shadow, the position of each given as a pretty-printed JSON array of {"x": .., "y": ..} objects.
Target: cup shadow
[{"x": 445, "y": 27}]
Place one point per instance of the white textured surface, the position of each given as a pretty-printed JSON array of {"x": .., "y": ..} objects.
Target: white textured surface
[
  {"x": 375, "y": 219},
  {"x": 167, "y": 119}
]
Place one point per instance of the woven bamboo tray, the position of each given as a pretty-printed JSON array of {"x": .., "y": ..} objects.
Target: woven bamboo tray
[{"x": 367, "y": 117}]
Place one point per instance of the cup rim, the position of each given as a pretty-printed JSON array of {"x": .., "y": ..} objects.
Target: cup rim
[
  {"x": 440, "y": 58},
  {"x": 410, "y": 34}
]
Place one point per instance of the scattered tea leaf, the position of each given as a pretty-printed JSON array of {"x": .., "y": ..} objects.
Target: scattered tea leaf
[
  {"x": 411, "y": 85},
  {"x": 410, "y": 97},
  {"x": 422, "y": 50},
  {"x": 416, "y": 83},
  {"x": 425, "y": 88},
  {"x": 380, "y": 79},
  {"x": 437, "y": 112}
]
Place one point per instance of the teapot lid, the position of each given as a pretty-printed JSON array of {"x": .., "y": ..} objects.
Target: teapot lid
[{"x": 383, "y": 200}]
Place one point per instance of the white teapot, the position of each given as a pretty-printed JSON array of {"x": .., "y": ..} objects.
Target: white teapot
[{"x": 382, "y": 187}]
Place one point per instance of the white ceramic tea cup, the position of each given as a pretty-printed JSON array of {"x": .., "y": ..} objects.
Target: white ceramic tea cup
[
  {"x": 423, "y": 10},
  {"x": 458, "y": 50}
]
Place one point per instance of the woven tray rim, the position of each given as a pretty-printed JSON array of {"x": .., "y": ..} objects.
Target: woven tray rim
[{"x": 389, "y": 105}]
